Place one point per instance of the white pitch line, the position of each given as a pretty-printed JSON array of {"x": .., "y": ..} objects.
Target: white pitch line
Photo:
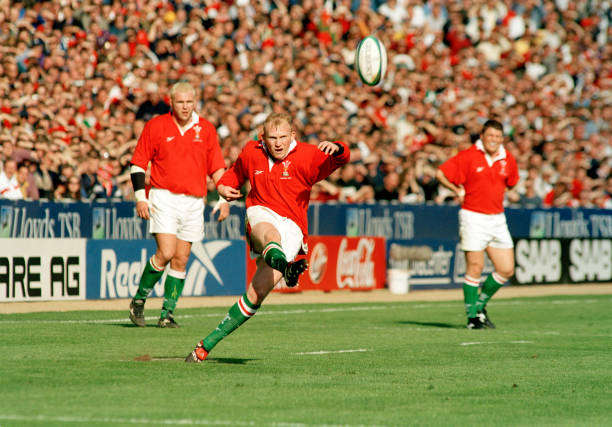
[
  {"x": 301, "y": 311},
  {"x": 495, "y": 342},
  {"x": 182, "y": 421},
  {"x": 189, "y": 316},
  {"x": 311, "y": 353}
]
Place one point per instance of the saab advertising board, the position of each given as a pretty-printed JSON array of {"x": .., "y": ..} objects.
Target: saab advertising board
[
  {"x": 215, "y": 267},
  {"x": 542, "y": 261},
  {"x": 42, "y": 269},
  {"x": 337, "y": 262}
]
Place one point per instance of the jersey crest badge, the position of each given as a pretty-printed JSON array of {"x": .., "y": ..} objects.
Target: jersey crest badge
[
  {"x": 197, "y": 129},
  {"x": 286, "y": 164}
]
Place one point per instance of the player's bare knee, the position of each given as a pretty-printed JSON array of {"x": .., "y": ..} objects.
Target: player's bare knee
[
  {"x": 505, "y": 273},
  {"x": 179, "y": 263},
  {"x": 162, "y": 258},
  {"x": 271, "y": 235}
]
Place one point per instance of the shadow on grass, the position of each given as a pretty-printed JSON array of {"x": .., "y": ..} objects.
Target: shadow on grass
[
  {"x": 430, "y": 324},
  {"x": 223, "y": 360},
  {"x": 131, "y": 325},
  {"x": 229, "y": 360}
]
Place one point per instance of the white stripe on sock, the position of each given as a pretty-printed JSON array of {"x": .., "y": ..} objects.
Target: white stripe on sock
[
  {"x": 271, "y": 246},
  {"x": 154, "y": 265},
  {"x": 177, "y": 274},
  {"x": 245, "y": 309},
  {"x": 471, "y": 281},
  {"x": 499, "y": 279}
]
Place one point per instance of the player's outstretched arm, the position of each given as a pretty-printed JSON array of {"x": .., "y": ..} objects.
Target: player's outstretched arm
[
  {"x": 229, "y": 193},
  {"x": 137, "y": 175},
  {"x": 329, "y": 148},
  {"x": 222, "y": 205}
]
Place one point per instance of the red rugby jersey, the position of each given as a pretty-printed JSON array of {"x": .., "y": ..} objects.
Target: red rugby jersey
[
  {"x": 179, "y": 163},
  {"x": 484, "y": 185},
  {"x": 283, "y": 186}
]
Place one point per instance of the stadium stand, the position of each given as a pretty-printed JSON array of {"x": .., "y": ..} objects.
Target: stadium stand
[{"x": 78, "y": 79}]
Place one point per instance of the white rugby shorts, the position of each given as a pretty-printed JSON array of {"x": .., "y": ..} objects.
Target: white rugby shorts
[
  {"x": 477, "y": 231},
  {"x": 291, "y": 235},
  {"x": 177, "y": 214}
]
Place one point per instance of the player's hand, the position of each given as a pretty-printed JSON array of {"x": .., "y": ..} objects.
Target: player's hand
[
  {"x": 142, "y": 209},
  {"x": 328, "y": 148},
  {"x": 229, "y": 193},
  {"x": 223, "y": 208},
  {"x": 460, "y": 194}
]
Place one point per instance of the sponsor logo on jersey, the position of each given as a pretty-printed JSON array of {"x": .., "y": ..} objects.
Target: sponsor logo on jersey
[
  {"x": 258, "y": 172},
  {"x": 169, "y": 138},
  {"x": 479, "y": 169}
]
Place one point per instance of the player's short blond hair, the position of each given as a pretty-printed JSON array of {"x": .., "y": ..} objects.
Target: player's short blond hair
[
  {"x": 181, "y": 87},
  {"x": 275, "y": 120}
]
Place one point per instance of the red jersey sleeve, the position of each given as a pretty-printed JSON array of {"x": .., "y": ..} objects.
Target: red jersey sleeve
[
  {"x": 513, "y": 175},
  {"x": 454, "y": 169},
  {"x": 214, "y": 157},
  {"x": 323, "y": 165},
  {"x": 236, "y": 175},
  {"x": 145, "y": 150}
]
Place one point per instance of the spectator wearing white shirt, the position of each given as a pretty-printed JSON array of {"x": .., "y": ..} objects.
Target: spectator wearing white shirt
[{"x": 9, "y": 187}]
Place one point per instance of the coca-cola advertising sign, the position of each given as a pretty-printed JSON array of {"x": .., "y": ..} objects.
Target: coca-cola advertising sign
[{"x": 339, "y": 262}]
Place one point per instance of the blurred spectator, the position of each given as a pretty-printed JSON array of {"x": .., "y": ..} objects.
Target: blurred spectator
[
  {"x": 89, "y": 178},
  {"x": 426, "y": 179},
  {"x": 409, "y": 189},
  {"x": 559, "y": 196},
  {"x": 9, "y": 185},
  {"x": 390, "y": 189},
  {"x": 78, "y": 80},
  {"x": 73, "y": 190},
  {"x": 26, "y": 182},
  {"x": 45, "y": 177},
  {"x": 529, "y": 199}
]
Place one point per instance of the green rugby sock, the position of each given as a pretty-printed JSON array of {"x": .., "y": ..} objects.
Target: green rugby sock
[
  {"x": 470, "y": 295},
  {"x": 150, "y": 276},
  {"x": 274, "y": 256},
  {"x": 175, "y": 281},
  {"x": 491, "y": 285},
  {"x": 239, "y": 313}
]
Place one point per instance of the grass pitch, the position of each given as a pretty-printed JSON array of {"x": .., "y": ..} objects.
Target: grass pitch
[{"x": 549, "y": 362}]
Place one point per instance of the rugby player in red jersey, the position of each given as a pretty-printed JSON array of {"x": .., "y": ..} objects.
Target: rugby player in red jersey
[
  {"x": 282, "y": 172},
  {"x": 479, "y": 177},
  {"x": 183, "y": 149}
]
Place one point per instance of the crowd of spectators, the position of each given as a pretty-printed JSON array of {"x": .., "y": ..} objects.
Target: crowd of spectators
[{"x": 78, "y": 80}]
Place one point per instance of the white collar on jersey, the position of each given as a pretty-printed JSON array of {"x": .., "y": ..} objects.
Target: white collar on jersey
[
  {"x": 270, "y": 158},
  {"x": 501, "y": 153},
  {"x": 195, "y": 119}
]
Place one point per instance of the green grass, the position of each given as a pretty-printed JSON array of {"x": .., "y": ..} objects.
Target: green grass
[{"x": 548, "y": 363}]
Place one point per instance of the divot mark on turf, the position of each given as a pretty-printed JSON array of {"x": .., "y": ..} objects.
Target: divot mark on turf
[
  {"x": 143, "y": 358},
  {"x": 495, "y": 342},
  {"x": 315, "y": 353}
]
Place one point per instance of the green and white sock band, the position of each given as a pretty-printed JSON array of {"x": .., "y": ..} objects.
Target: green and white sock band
[
  {"x": 154, "y": 265},
  {"x": 269, "y": 246},
  {"x": 498, "y": 278},
  {"x": 177, "y": 274},
  {"x": 471, "y": 281}
]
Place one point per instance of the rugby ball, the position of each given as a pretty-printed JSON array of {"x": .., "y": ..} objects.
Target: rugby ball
[{"x": 371, "y": 61}]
